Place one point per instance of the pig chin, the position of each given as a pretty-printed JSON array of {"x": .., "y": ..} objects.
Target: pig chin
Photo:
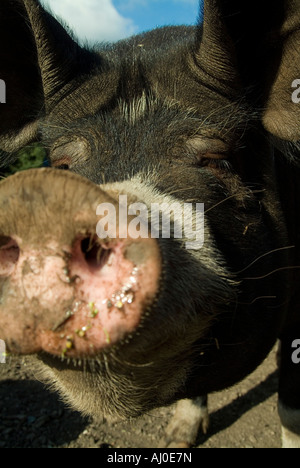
[{"x": 114, "y": 388}]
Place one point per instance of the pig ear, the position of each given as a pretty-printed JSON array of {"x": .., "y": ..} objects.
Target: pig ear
[
  {"x": 253, "y": 46},
  {"x": 39, "y": 62}
]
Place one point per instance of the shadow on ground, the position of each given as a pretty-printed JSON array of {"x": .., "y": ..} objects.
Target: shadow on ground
[{"x": 33, "y": 416}]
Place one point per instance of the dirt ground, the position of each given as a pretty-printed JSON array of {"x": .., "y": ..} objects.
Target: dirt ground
[{"x": 244, "y": 416}]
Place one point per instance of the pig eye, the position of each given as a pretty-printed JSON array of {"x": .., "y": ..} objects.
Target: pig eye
[
  {"x": 62, "y": 163},
  {"x": 63, "y": 167},
  {"x": 66, "y": 155},
  {"x": 217, "y": 161},
  {"x": 208, "y": 153}
]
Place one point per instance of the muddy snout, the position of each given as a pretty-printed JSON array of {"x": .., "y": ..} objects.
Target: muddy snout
[{"x": 63, "y": 289}]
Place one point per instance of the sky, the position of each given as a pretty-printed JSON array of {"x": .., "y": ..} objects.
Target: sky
[{"x": 111, "y": 20}]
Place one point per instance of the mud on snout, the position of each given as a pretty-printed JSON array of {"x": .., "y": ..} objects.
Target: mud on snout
[{"x": 64, "y": 290}]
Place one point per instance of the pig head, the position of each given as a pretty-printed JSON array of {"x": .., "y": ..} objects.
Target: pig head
[{"x": 176, "y": 115}]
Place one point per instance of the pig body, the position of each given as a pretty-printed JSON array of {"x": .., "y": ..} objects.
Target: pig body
[{"x": 172, "y": 117}]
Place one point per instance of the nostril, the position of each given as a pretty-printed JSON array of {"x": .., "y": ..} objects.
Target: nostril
[
  {"x": 96, "y": 255},
  {"x": 9, "y": 255}
]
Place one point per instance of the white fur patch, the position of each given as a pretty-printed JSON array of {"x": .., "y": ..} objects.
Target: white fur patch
[
  {"x": 135, "y": 110},
  {"x": 189, "y": 417},
  {"x": 290, "y": 420},
  {"x": 138, "y": 190}
]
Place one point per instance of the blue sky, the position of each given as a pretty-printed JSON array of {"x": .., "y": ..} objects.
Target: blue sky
[{"x": 111, "y": 20}]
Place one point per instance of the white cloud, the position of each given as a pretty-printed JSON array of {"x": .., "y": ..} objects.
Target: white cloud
[{"x": 94, "y": 20}]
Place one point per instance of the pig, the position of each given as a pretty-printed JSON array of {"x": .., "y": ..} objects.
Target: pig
[{"x": 175, "y": 117}]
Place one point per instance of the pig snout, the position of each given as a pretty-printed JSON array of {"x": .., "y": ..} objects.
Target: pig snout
[{"x": 64, "y": 290}]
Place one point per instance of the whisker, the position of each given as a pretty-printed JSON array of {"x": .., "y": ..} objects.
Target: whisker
[
  {"x": 272, "y": 272},
  {"x": 181, "y": 190},
  {"x": 257, "y": 299},
  {"x": 129, "y": 364},
  {"x": 106, "y": 364},
  {"x": 264, "y": 255},
  {"x": 228, "y": 198}
]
